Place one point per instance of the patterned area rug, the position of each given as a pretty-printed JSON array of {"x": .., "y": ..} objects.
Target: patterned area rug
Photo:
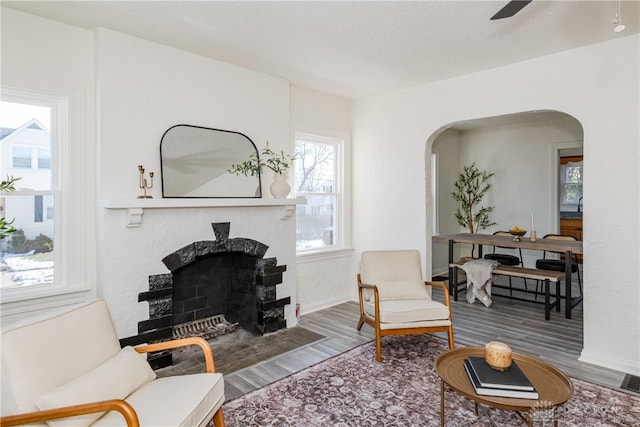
[{"x": 352, "y": 389}]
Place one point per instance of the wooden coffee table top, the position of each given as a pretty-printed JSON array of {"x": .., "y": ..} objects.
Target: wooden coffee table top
[{"x": 553, "y": 387}]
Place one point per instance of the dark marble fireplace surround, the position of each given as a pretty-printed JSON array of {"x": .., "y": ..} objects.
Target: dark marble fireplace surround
[{"x": 228, "y": 276}]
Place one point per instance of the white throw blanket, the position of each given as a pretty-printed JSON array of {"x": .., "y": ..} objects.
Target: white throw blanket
[{"x": 479, "y": 279}]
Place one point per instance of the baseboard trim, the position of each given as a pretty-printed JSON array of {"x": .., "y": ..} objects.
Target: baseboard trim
[
  {"x": 610, "y": 361},
  {"x": 321, "y": 305}
]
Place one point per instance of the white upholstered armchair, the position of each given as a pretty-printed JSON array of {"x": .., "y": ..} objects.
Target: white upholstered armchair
[
  {"x": 71, "y": 365},
  {"x": 394, "y": 298}
]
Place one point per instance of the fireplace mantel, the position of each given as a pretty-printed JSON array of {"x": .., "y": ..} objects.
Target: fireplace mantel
[{"x": 135, "y": 207}]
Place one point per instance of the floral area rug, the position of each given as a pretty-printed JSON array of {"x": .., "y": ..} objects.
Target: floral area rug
[{"x": 352, "y": 389}]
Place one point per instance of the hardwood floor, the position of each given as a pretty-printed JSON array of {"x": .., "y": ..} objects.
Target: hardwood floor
[{"x": 519, "y": 324}]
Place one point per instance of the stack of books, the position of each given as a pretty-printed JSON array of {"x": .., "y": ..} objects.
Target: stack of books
[{"x": 511, "y": 382}]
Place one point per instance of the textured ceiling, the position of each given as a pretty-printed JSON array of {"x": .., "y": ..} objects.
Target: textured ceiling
[{"x": 356, "y": 48}]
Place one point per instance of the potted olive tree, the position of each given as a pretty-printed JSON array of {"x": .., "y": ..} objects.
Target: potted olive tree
[{"x": 471, "y": 186}]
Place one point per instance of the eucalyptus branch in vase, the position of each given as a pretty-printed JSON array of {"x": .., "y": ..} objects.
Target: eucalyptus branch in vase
[{"x": 278, "y": 163}]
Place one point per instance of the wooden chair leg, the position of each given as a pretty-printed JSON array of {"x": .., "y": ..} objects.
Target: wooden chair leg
[
  {"x": 218, "y": 418},
  {"x": 378, "y": 346},
  {"x": 360, "y": 323},
  {"x": 451, "y": 342}
]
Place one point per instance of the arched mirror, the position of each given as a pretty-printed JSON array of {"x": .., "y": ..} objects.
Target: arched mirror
[{"x": 195, "y": 161}]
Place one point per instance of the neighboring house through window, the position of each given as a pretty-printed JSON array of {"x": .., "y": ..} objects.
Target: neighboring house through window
[{"x": 317, "y": 173}]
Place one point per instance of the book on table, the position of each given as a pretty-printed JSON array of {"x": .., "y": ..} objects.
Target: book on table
[
  {"x": 523, "y": 391},
  {"x": 511, "y": 378}
]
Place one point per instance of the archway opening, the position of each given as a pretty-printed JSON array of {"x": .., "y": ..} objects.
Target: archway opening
[{"x": 523, "y": 150}]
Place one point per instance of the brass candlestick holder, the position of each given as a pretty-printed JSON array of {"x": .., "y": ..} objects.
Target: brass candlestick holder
[{"x": 144, "y": 184}]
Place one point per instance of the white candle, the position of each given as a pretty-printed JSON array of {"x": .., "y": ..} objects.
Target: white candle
[{"x": 532, "y": 227}]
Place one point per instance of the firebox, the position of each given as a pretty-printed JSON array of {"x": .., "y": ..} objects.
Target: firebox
[{"x": 227, "y": 278}]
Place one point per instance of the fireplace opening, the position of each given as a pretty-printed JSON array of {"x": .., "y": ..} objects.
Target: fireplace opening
[
  {"x": 213, "y": 287},
  {"x": 217, "y": 284}
]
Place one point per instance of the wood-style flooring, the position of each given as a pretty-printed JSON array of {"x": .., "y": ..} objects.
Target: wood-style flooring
[{"x": 520, "y": 324}]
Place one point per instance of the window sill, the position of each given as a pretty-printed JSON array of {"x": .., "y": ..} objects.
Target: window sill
[
  {"x": 323, "y": 254},
  {"x": 19, "y": 301}
]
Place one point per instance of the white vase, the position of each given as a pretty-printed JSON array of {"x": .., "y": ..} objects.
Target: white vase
[{"x": 280, "y": 186}]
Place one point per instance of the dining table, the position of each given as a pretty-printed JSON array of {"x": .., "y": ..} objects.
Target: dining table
[{"x": 566, "y": 247}]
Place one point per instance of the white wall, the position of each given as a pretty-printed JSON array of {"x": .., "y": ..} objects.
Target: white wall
[
  {"x": 143, "y": 89},
  {"x": 325, "y": 279},
  {"x": 523, "y": 183},
  {"x": 57, "y": 60},
  {"x": 447, "y": 150},
  {"x": 391, "y": 184}
]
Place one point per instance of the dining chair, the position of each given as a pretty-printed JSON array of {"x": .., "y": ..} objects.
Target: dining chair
[
  {"x": 507, "y": 259},
  {"x": 557, "y": 264}
]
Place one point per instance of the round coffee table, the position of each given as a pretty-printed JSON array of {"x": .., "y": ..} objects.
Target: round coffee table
[{"x": 554, "y": 388}]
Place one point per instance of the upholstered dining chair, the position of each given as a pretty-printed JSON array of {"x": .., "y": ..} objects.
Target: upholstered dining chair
[
  {"x": 506, "y": 259},
  {"x": 557, "y": 264},
  {"x": 395, "y": 299},
  {"x": 68, "y": 369}
]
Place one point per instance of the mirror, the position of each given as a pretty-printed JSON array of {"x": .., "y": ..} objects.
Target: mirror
[{"x": 194, "y": 162}]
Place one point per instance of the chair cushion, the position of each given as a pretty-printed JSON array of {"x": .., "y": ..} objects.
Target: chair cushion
[
  {"x": 397, "y": 274},
  {"x": 555, "y": 265},
  {"x": 504, "y": 259},
  {"x": 37, "y": 357},
  {"x": 115, "y": 379},
  {"x": 412, "y": 310},
  {"x": 376, "y": 266},
  {"x": 185, "y": 400},
  {"x": 402, "y": 290}
]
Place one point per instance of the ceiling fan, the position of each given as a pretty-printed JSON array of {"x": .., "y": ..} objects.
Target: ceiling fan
[{"x": 511, "y": 9}]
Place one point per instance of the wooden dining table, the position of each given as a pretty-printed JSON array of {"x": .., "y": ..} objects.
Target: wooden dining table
[{"x": 569, "y": 248}]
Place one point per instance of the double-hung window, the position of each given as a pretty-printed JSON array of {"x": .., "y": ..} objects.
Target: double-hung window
[
  {"x": 27, "y": 253},
  {"x": 570, "y": 183},
  {"x": 317, "y": 178}
]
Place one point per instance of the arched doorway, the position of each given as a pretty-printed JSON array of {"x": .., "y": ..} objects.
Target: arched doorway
[{"x": 523, "y": 150}]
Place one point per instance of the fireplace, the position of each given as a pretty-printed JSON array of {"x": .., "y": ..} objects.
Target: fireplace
[{"x": 208, "y": 280}]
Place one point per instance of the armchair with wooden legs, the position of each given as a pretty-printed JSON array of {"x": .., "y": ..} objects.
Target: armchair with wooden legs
[
  {"x": 68, "y": 369},
  {"x": 395, "y": 300}
]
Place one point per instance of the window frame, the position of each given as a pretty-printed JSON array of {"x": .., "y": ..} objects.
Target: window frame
[
  {"x": 339, "y": 141},
  {"x": 58, "y": 132},
  {"x": 566, "y": 162}
]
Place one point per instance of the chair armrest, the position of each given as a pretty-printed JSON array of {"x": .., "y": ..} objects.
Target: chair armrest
[
  {"x": 362, "y": 286},
  {"x": 184, "y": 342},
  {"x": 445, "y": 289},
  {"x": 121, "y": 406}
]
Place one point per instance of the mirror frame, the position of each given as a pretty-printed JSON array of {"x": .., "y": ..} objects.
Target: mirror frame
[{"x": 258, "y": 193}]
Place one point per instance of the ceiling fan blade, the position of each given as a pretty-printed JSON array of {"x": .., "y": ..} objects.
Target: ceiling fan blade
[{"x": 511, "y": 9}]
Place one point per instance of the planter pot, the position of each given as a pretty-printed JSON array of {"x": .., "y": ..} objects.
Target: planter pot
[{"x": 280, "y": 186}]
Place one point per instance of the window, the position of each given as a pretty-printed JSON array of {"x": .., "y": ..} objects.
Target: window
[
  {"x": 44, "y": 159},
  {"x": 27, "y": 255},
  {"x": 21, "y": 157},
  {"x": 317, "y": 170},
  {"x": 570, "y": 182}
]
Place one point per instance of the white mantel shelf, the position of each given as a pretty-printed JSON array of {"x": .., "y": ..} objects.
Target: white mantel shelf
[{"x": 135, "y": 207}]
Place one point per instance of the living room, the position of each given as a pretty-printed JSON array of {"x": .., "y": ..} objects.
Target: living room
[{"x": 123, "y": 92}]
